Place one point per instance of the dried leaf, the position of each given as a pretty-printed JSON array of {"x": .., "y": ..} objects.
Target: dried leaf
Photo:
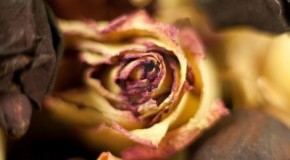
[
  {"x": 270, "y": 15},
  {"x": 245, "y": 134},
  {"x": 29, "y": 43}
]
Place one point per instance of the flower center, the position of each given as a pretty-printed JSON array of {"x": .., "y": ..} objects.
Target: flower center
[{"x": 137, "y": 78}]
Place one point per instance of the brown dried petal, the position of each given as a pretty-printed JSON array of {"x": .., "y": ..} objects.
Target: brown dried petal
[
  {"x": 270, "y": 15},
  {"x": 246, "y": 134},
  {"x": 15, "y": 113},
  {"x": 29, "y": 42}
]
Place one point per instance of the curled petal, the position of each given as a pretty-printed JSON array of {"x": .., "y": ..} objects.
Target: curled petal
[
  {"x": 107, "y": 156},
  {"x": 145, "y": 85},
  {"x": 208, "y": 112},
  {"x": 88, "y": 108},
  {"x": 191, "y": 43},
  {"x": 179, "y": 138}
]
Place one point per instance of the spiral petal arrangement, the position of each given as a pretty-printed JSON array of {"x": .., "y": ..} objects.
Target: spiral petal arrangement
[{"x": 147, "y": 88}]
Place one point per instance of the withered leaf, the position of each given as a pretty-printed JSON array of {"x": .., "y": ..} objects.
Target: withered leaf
[
  {"x": 95, "y": 9},
  {"x": 29, "y": 49},
  {"x": 245, "y": 134},
  {"x": 270, "y": 15}
]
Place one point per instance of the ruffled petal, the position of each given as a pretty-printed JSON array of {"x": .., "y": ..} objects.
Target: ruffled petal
[
  {"x": 144, "y": 83},
  {"x": 186, "y": 119}
]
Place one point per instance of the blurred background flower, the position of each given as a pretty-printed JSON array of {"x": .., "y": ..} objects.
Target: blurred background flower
[{"x": 253, "y": 69}]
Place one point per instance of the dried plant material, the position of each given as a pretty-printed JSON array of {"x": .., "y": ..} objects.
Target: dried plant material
[
  {"x": 276, "y": 67},
  {"x": 239, "y": 53},
  {"x": 107, "y": 156},
  {"x": 274, "y": 83},
  {"x": 254, "y": 67},
  {"x": 172, "y": 11},
  {"x": 28, "y": 56},
  {"x": 245, "y": 134},
  {"x": 147, "y": 88},
  {"x": 269, "y": 15}
]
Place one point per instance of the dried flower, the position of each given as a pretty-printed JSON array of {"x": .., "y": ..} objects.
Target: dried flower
[
  {"x": 253, "y": 66},
  {"x": 28, "y": 55},
  {"x": 147, "y": 89}
]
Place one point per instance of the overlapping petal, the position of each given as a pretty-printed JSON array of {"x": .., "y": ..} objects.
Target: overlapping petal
[
  {"x": 144, "y": 83},
  {"x": 254, "y": 65}
]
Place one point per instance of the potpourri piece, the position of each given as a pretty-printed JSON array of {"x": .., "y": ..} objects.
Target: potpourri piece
[
  {"x": 268, "y": 15},
  {"x": 144, "y": 89},
  {"x": 28, "y": 56},
  {"x": 245, "y": 134}
]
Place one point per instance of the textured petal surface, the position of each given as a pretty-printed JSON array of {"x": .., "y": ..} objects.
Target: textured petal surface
[
  {"x": 144, "y": 83},
  {"x": 209, "y": 111}
]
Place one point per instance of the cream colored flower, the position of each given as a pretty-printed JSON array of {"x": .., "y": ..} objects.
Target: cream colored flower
[
  {"x": 254, "y": 65},
  {"x": 147, "y": 89}
]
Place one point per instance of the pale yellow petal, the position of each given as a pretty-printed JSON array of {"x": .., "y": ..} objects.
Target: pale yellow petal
[
  {"x": 240, "y": 54},
  {"x": 274, "y": 81},
  {"x": 185, "y": 109},
  {"x": 273, "y": 96},
  {"x": 91, "y": 99},
  {"x": 179, "y": 138},
  {"x": 71, "y": 113},
  {"x": 106, "y": 138},
  {"x": 277, "y": 62},
  {"x": 87, "y": 108},
  {"x": 108, "y": 49}
]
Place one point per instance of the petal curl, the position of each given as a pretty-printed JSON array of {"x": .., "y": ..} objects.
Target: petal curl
[
  {"x": 107, "y": 156},
  {"x": 177, "y": 94},
  {"x": 208, "y": 112},
  {"x": 179, "y": 138},
  {"x": 86, "y": 107}
]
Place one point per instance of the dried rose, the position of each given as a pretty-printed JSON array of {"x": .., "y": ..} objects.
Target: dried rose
[
  {"x": 255, "y": 68},
  {"x": 274, "y": 81},
  {"x": 147, "y": 89}
]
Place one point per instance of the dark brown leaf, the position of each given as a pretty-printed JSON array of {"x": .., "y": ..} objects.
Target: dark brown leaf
[
  {"x": 270, "y": 15},
  {"x": 246, "y": 134},
  {"x": 15, "y": 113},
  {"x": 29, "y": 45}
]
